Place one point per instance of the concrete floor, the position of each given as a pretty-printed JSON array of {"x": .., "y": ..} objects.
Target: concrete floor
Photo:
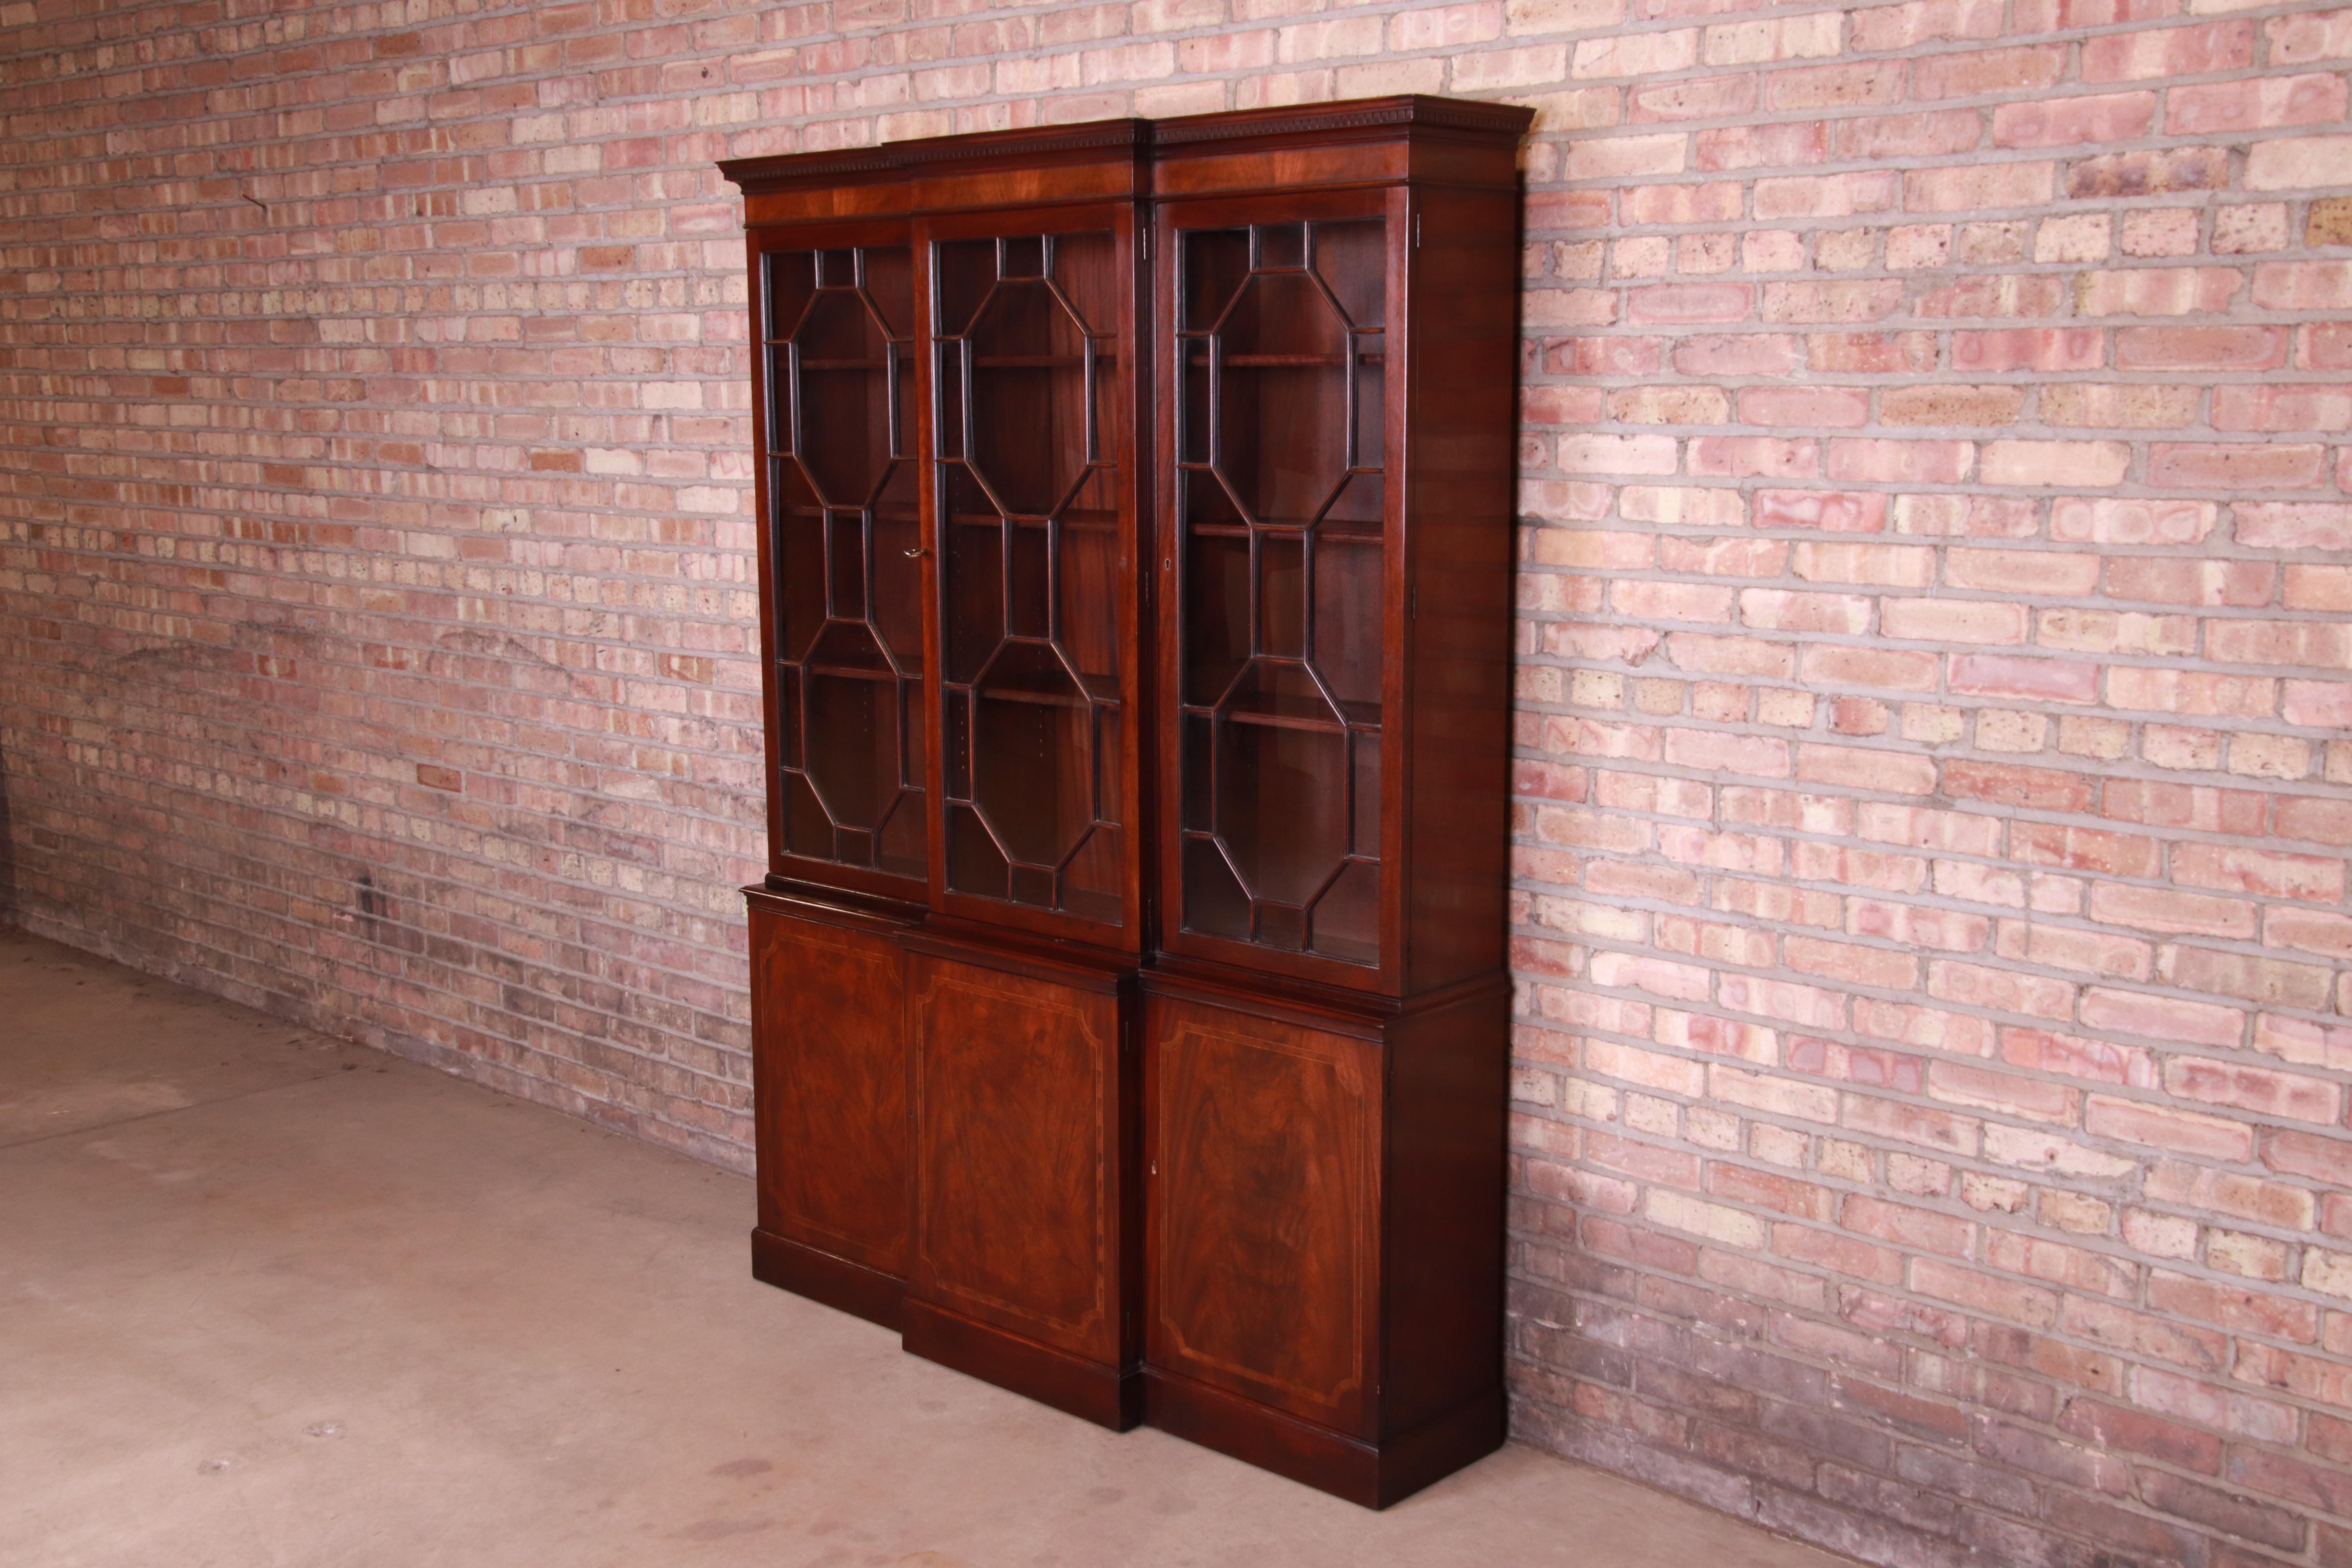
[{"x": 267, "y": 1298}]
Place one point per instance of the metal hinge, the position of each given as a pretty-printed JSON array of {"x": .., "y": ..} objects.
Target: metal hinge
[{"x": 1416, "y": 231}]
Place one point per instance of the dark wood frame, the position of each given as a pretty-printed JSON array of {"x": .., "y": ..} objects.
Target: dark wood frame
[{"x": 1410, "y": 1141}]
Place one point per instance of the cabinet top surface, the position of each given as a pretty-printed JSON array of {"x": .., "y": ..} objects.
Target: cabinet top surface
[{"x": 1403, "y": 118}]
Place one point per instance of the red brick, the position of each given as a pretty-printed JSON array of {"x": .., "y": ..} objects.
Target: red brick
[
  {"x": 2257, "y": 1089},
  {"x": 2146, "y": 55},
  {"x": 2058, "y": 122},
  {"x": 1986, "y": 71},
  {"x": 2138, "y": 1432},
  {"x": 1988, "y": 1294},
  {"x": 2236, "y": 466},
  {"x": 2262, "y": 872},
  {"x": 2184, "y": 1131}
]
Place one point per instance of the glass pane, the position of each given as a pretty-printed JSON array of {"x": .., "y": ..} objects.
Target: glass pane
[
  {"x": 1087, "y": 586},
  {"x": 1348, "y": 917},
  {"x": 845, "y": 564},
  {"x": 1214, "y": 900},
  {"x": 1348, "y": 621},
  {"x": 1351, "y": 260},
  {"x": 1282, "y": 805},
  {"x": 1364, "y": 835},
  {"x": 1029, "y": 582},
  {"x": 798, "y": 561},
  {"x": 1215, "y": 262},
  {"x": 898, "y": 568},
  {"x": 1282, "y": 408},
  {"x": 1216, "y": 615},
  {"x": 1193, "y": 425},
  {"x": 1085, "y": 272},
  {"x": 1031, "y": 754},
  {"x": 844, "y": 434},
  {"x": 780, "y": 423},
  {"x": 792, "y": 280},
  {"x": 973, "y": 617},
  {"x": 807, "y": 830},
  {"x": 1281, "y": 245},
  {"x": 1372, "y": 401},
  {"x": 974, "y": 863},
  {"x": 967, "y": 271},
  {"x": 853, "y": 744},
  {"x": 1028, "y": 414},
  {"x": 1282, "y": 593},
  {"x": 889, "y": 280},
  {"x": 1033, "y": 569},
  {"x": 845, "y": 534}
]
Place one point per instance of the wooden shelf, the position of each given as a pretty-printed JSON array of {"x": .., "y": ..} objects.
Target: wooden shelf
[
  {"x": 1034, "y": 699},
  {"x": 1329, "y": 531},
  {"x": 1283, "y": 362},
  {"x": 1355, "y": 714},
  {"x": 1088, "y": 520},
  {"x": 848, "y": 671},
  {"x": 1037, "y": 361}
]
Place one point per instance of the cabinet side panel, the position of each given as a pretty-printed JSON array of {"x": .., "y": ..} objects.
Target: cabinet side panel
[
  {"x": 1448, "y": 1088},
  {"x": 1264, "y": 1209},
  {"x": 1460, "y": 424},
  {"x": 1016, "y": 1084},
  {"x": 829, "y": 1078}
]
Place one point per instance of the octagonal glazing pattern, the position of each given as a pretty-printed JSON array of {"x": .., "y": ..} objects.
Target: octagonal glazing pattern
[
  {"x": 1282, "y": 373},
  {"x": 1026, "y": 377},
  {"x": 837, "y": 356}
]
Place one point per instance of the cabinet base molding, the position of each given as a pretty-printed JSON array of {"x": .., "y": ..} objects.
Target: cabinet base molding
[
  {"x": 833, "y": 1281},
  {"x": 1373, "y": 1475},
  {"x": 1108, "y": 1396}
]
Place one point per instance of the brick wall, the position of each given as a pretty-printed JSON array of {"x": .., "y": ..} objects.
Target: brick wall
[{"x": 1934, "y": 803}]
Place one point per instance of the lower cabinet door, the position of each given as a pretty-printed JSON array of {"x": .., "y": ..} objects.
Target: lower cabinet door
[
  {"x": 1023, "y": 1262},
  {"x": 1264, "y": 1206},
  {"x": 829, "y": 1085}
]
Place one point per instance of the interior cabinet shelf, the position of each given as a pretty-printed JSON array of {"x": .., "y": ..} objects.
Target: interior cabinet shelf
[
  {"x": 1039, "y": 362},
  {"x": 1331, "y": 530},
  {"x": 1130, "y": 1018},
  {"x": 1277, "y": 362},
  {"x": 1037, "y": 699}
]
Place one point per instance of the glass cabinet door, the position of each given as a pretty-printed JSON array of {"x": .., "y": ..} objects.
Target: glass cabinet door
[
  {"x": 1281, "y": 380},
  {"x": 845, "y": 542},
  {"x": 1028, "y": 388}
]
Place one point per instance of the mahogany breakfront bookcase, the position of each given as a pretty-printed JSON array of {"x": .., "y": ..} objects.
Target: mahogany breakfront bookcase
[{"x": 1130, "y": 1011}]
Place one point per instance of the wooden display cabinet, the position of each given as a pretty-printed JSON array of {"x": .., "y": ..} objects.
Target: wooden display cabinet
[
  {"x": 950, "y": 472},
  {"x": 1130, "y": 1009}
]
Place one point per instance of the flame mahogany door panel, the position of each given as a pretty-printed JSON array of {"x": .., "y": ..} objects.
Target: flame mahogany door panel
[
  {"x": 1324, "y": 1231},
  {"x": 1265, "y": 1213},
  {"x": 1024, "y": 1159},
  {"x": 829, "y": 1094}
]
